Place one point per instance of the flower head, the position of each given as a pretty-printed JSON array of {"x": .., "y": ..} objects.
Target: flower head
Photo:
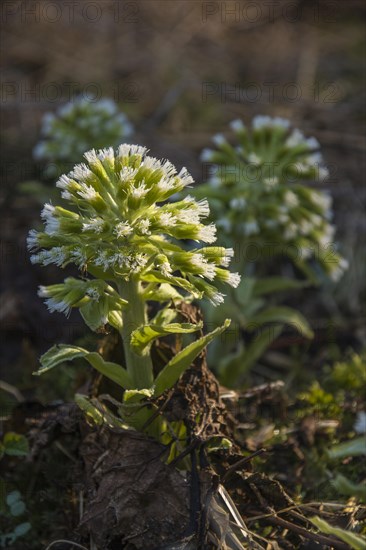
[
  {"x": 259, "y": 192},
  {"x": 77, "y": 126},
  {"x": 118, "y": 224}
]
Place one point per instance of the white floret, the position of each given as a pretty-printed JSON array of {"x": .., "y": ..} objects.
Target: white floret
[
  {"x": 87, "y": 192},
  {"x": 322, "y": 199},
  {"x": 165, "y": 184},
  {"x": 250, "y": 227},
  {"x": 106, "y": 154},
  {"x": 360, "y": 424},
  {"x": 78, "y": 256},
  {"x": 295, "y": 138},
  {"x": 270, "y": 182},
  {"x": 234, "y": 279},
  {"x": 189, "y": 216},
  {"x": 290, "y": 232},
  {"x": 55, "y": 255},
  {"x": 32, "y": 240},
  {"x": 103, "y": 260},
  {"x": 217, "y": 298},
  {"x": 166, "y": 269},
  {"x": 91, "y": 156},
  {"x": 40, "y": 150},
  {"x": 207, "y": 233},
  {"x": 139, "y": 192},
  {"x": 227, "y": 257},
  {"x": 237, "y": 125},
  {"x": 93, "y": 293},
  {"x": 47, "y": 211},
  {"x": 43, "y": 292},
  {"x": 80, "y": 172},
  {"x": 185, "y": 177},
  {"x": 253, "y": 158},
  {"x": 200, "y": 262},
  {"x": 96, "y": 225},
  {"x": 143, "y": 226},
  {"x": 52, "y": 223},
  {"x": 122, "y": 229},
  {"x": 219, "y": 139},
  {"x": 169, "y": 169},
  {"x": 127, "y": 173},
  {"x": 63, "y": 182},
  {"x": 166, "y": 219},
  {"x": 323, "y": 173},
  {"x": 261, "y": 121},
  {"x": 59, "y": 306},
  {"x": 338, "y": 270},
  {"x": 207, "y": 155},
  {"x": 238, "y": 203},
  {"x": 291, "y": 199},
  {"x": 312, "y": 143},
  {"x": 107, "y": 105},
  {"x": 151, "y": 163},
  {"x": 127, "y": 150},
  {"x": 203, "y": 208}
]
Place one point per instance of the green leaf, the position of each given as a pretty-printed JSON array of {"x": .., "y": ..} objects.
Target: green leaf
[
  {"x": 164, "y": 316},
  {"x": 98, "y": 412},
  {"x": 236, "y": 365},
  {"x": 135, "y": 396},
  {"x": 115, "y": 320},
  {"x": 285, "y": 315},
  {"x": 142, "y": 337},
  {"x": 178, "y": 364},
  {"x": 13, "y": 497},
  {"x": 277, "y": 284},
  {"x": 97, "y": 314},
  {"x": 217, "y": 444},
  {"x": 163, "y": 293},
  {"x": 17, "y": 508},
  {"x": 308, "y": 271},
  {"x": 157, "y": 277},
  {"x": 94, "y": 314},
  {"x": 355, "y": 447},
  {"x": 355, "y": 541},
  {"x": 346, "y": 487},
  {"x": 256, "y": 348},
  {"x": 15, "y": 444},
  {"x": 134, "y": 411},
  {"x": 245, "y": 289},
  {"x": 88, "y": 409},
  {"x": 61, "y": 353},
  {"x": 247, "y": 311},
  {"x": 22, "y": 529}
]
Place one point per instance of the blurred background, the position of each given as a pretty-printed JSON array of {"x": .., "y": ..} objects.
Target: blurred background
[{"x": 181, "y": 70}]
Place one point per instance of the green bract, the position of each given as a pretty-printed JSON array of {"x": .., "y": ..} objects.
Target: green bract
[
  {"x": 76, "y": 127},
  {"x": 125, "y": 238},
  {"x": 258, "y": 196}
]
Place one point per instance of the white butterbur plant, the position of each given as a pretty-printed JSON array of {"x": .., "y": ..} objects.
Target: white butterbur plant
[
  {"x": 260, "y": 193},
  {"x": 119, "y": 230},
  {"x": 81, "y": 124},
  {"x": 264, "y": 204}
]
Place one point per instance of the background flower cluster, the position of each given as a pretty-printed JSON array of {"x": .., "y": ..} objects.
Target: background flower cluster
[{"x": 257, "y": 191}]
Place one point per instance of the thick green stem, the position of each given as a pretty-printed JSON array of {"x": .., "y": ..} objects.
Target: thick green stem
[{"x": 139, "y": 368}]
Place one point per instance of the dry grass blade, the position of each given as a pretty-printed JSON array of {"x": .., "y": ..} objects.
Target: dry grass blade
[
  {"x": 227, "y": 528},
  {"x": 72, "y": 544}
]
